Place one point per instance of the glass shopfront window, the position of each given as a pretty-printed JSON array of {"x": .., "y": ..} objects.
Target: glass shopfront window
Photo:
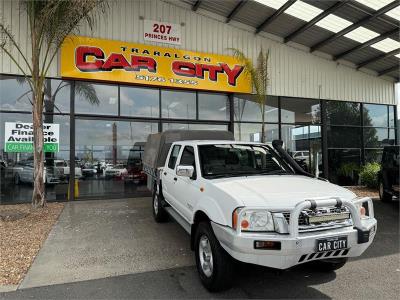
[
  {"x": 343, "y": 113},
  {"x": 344, "y": 166},
  {"x": 178, "y": 104},
  {"x": 376, "y": 115},
  {"x": 298, "y": 110},
  {"x": 344, "y": 137},
  {"x": 96, "y": 99},
  {"x": 139, "y": 102},
  {"x": 303, "y": 142},
  {"x": 108, "y": 150},
  {"x": 57, "y": 96},
  {"x": 213, "y": 107},
  {"x": 187, "y": 126},
  {"x": 247, "y": 109},
  {"x": 109, "y": 154},
  {"x": 392, "y": 120},
  {"x": 17, "y": 167},
  {"x": 377, "y": 137},
  {"x": 251, "y": 132},
  {"x": 373, "y": 155},
  {"x": 15, "y": 93}
]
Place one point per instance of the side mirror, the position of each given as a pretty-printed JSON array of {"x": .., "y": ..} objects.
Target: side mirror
[{"x": 186, "y": 171}]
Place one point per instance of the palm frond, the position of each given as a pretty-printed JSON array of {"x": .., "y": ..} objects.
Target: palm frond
[{"x": 88, "y": 92}]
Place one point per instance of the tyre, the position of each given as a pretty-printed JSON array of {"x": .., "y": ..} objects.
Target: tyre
[
  {"x": 214, "y": 264},
  {"x": 384, "y": 196},
  {"x": 330, "y": 265},
  {"x": 159, "y": 212}
]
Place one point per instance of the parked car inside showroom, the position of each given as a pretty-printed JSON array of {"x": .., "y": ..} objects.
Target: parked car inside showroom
[
  {"x": 24, "y": 170},
  {"x": 118, "y": 171}
]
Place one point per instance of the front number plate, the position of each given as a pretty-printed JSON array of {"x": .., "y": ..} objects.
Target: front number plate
[{"x": 332, "y": 243}]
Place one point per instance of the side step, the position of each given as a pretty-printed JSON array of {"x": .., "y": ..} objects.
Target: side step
[{"x": 177, "y": 217}]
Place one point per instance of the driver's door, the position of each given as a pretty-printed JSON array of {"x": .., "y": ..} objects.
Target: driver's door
[{"x": 187, "y": 189}]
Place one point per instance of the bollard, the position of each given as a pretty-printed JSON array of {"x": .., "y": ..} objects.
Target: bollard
[{"x": 76, "y": 188}]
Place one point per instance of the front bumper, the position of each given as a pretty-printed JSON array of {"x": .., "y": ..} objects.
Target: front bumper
[{"x": 296, "y": 248}]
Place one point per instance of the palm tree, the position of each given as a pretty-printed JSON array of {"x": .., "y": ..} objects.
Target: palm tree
[
  {"x": 258, "y": 74},
  {"x": 49, "y": 24}
]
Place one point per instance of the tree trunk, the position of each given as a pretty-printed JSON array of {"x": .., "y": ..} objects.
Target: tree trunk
[
  {"x": 38, "y": 199},
  {"x": 263, "y": 120}
]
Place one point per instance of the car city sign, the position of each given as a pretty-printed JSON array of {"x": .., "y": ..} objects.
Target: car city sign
[
  {"x": 19, "y": 137},
  {"x": 114, "y": 61}
]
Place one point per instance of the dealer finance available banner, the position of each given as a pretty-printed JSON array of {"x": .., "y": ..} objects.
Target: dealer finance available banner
[
  {"x": 115, "y": 61},
  {"x": 19, "y": 137}
]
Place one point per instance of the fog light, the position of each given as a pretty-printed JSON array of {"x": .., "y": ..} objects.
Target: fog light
[{"x": 267, "y": 245}]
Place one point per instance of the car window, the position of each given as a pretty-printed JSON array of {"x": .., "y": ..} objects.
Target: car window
[
  {"x": 238, "y": 160},
  {"x": 188, "y": 158},
  {"x": 174, "y": 156}
]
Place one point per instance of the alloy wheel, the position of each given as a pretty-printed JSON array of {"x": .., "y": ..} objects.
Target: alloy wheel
[{"x": 205, "y": 256}]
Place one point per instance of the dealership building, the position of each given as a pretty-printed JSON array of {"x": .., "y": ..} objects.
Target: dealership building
[{"x": 155, "y": 65}]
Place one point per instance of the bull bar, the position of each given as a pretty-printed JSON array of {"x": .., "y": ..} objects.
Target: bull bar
[{"x": 312, "y": 203}]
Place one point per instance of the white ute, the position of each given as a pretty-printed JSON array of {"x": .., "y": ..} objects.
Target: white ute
[{"x": 253, "y": 203}]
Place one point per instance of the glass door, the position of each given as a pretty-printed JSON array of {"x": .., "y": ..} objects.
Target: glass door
[{"x": 108, "y": 156}]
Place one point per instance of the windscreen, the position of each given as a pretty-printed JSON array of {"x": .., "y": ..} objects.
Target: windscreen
[{"x": 228, "y": 160}]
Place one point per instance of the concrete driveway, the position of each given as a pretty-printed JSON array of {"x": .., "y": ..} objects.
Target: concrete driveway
[
  {"x": 106, "y": 240},
  {"x": 98, "y": 239}
]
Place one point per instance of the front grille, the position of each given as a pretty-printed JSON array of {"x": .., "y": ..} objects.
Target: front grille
[
  {"x": 302, "y": 219},
  {"x": 308, "y": 214}
]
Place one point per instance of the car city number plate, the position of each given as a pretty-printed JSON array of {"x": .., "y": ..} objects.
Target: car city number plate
[{"x": 332, "y": 243}]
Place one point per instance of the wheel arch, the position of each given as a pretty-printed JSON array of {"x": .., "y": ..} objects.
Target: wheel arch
[{"x": 199, "y": 216}]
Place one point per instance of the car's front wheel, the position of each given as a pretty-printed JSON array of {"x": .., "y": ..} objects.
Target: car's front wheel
[
  {"x": 384, "y": 196},
  {"x": 214, "y": 264},
  {"x": 159, "y": 212},
  {"x": 330, "y": 265}
]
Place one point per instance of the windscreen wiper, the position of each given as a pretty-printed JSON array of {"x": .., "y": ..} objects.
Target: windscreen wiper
[{"x": 276, "y": 172}]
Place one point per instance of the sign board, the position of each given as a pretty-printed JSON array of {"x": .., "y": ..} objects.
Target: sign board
[
  {"x": 162, "y": 32},
  {"x": 114, "y": 61},
  {"x": 19, "y": 137}
]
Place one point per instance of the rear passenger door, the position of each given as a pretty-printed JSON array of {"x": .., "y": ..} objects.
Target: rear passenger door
[
  {"x": 187, "y": 190},
  {"x": 169, "y": 175}
]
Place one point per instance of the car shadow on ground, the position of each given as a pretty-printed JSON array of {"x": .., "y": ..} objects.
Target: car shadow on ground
[{"x": 250, "y": 282}]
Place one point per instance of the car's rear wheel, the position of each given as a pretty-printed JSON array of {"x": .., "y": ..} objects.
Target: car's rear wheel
[
  {"x": 214, "y": 264},
  {"x": 329, "y": 265},
  {"x": 384, "y": 196},
  {"x": 159, "y": 212}
]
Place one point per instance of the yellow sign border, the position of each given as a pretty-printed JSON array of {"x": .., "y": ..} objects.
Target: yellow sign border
[{"x": 133, "y": 63}]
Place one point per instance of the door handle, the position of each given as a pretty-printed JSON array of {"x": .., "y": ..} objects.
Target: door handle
[{"x": 175, "y": 178}]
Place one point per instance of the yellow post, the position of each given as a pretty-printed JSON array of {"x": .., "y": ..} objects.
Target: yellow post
[{"x": 76, "y": 188}]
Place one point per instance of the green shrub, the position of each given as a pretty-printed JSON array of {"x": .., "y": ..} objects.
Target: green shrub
[{"x": 369, "y": 175}]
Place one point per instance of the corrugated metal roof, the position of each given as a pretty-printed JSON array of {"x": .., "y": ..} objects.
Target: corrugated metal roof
[{"x": 254, "y": 13}]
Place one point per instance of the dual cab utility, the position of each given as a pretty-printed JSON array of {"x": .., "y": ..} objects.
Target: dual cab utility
[{"x": 253, "y": 203}]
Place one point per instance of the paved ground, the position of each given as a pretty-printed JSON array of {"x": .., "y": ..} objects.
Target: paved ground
[
  {"x": 97, "y": 239},
  {"x": 375, "y": 275}
]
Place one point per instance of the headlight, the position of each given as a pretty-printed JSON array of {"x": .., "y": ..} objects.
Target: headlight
[
  {"x": 365, "y": 208},
  {"x": 253, "y": 220}
]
